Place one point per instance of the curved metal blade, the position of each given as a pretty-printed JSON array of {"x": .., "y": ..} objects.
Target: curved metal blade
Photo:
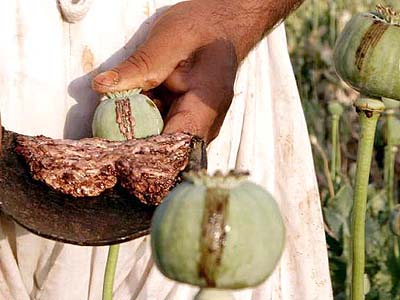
[{"x": 111, "y": 218}]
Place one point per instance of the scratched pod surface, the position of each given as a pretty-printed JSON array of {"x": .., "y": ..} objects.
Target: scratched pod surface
[
  {"x": 125, "y": 115},
  {"x": 367, "y": 55},
  {"x": 217, "y": 231}
]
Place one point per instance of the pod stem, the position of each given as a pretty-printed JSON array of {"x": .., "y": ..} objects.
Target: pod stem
[
  {"x": 109, "y": 274},
  {"x": 338, "y": 153},
  {"x": 213, "y": 294},
  {"x": 369, "y": 111},
  {"x": 332, "y": 21},
  {"x": 389, "y": 165},
  {"x": 335, "y": 146},
  {"x": 336, "y": 110},
  {"x": 390, "y": 155},
  {"x": 316, "y": 11},
  {"x": 347, "y": 250},
  {"x": 113, "y": 251}
]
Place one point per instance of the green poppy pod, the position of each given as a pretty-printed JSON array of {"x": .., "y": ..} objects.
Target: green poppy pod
[
  {"x": 367, "y": 53},
  {"x": 218, "y": 231},
  {"x": 126, "y": 115}
]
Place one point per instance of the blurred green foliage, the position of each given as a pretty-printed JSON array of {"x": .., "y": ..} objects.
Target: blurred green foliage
[{"x": 311, "y": 32}]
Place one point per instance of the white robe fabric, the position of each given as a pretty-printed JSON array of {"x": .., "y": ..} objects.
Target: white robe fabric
[{"x": 46, "y": 65}]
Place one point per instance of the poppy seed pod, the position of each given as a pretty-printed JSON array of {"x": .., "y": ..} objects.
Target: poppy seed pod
[
  {"x": 366, "y": 54},
  {"x": 126, "y": 115},
  {"x": 218, "y": 231}
]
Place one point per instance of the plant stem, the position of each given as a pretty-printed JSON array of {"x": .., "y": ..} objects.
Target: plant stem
[
  {"x": 314, "y": 142},
  {"x": 396, "y": 250},
  {"x": 213, "y": 294},
  {"x": 369, "y": 110},
  {"x": 389, "y": 165},
  {"x": 338, "y": 152},
  {"x": 109, "y": 274},
  {"x": 334, "y": 151},
  {"x": 390, "y": 152},
  {"x": 315, "y": 23},
  {"x": 336, "y": 110},
  {"x": 332, "y": 22},
  {"x": 347, "y": 251}
]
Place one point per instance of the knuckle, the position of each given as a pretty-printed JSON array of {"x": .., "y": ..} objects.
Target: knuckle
[
  {"x": 140, "y": 60},
  {"x": 150, "y": 83}
]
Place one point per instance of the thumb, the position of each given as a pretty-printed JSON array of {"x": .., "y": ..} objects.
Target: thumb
[{"x": 149, "y": 65}]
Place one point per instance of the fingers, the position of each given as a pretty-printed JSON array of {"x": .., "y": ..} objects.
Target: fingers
[
  {"x": 202, "y": 109},
  {"x": 190, "y": 114},
  {"x": 190, "y": 63},
  {"x": 145, "y": 68},
  {"x": 177, "y": 81},
  {"x": 168, "y": 44},
  {"x": 193, "y": 113}
]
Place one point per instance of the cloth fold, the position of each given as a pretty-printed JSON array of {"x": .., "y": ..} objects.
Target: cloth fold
[
  {"x": 264, "y": 132},
  {"x": 74, "y": 10}
]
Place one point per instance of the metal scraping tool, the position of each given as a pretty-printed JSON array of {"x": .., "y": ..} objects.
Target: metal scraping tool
[{"x": 111, "y": 218}]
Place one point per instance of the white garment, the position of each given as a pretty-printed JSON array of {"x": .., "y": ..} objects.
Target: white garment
[{"x": 46, "y": 69}]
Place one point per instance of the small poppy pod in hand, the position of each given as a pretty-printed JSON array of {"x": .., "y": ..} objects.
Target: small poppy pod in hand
[{"x": 126, "y": 115}]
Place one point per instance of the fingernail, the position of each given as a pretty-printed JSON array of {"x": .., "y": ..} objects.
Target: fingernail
[{"x": 108, "y": 78}]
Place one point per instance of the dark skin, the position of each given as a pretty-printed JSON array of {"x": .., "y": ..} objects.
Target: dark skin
[{"x": 190, "y": 58}]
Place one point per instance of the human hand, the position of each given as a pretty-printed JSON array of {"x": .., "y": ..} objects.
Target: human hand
[
  {"x": 189, "y": 61},
  {"x": 192, "y": 65}
]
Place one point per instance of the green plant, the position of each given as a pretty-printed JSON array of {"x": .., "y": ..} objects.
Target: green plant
[
  {"x": 392, "y": 140},
  {"x": 369, "y": 111},
  {"x": 336, "y": 111},
  {"x": 312, "y": 58},
  {"x": 123, "y": 116},
  {"x": 363, "y": 59},
  {"x": 213, "y": 294},
  {"x": 109, "y": 274},
  {"x": 366, "y": 53},
  {"x": 219, "y": 231}
]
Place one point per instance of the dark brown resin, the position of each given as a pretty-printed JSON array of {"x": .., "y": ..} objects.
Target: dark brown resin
[
  {"x": 213, "y": 233},
  {"x": 124, "y": 118},
  {"x": 147, "y": 168},
  {"x": 369, "y": 41}
]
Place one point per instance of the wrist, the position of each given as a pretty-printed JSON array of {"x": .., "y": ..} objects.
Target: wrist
[{"x": 245, "y": 22}]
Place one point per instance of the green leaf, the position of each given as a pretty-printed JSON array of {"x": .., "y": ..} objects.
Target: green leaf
[
  {"x": 377, "y": 201},
  {"x": 334, "y": 220},
  {"x": 337, "y": 214},
  {"x": 343, "y": 200}
]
